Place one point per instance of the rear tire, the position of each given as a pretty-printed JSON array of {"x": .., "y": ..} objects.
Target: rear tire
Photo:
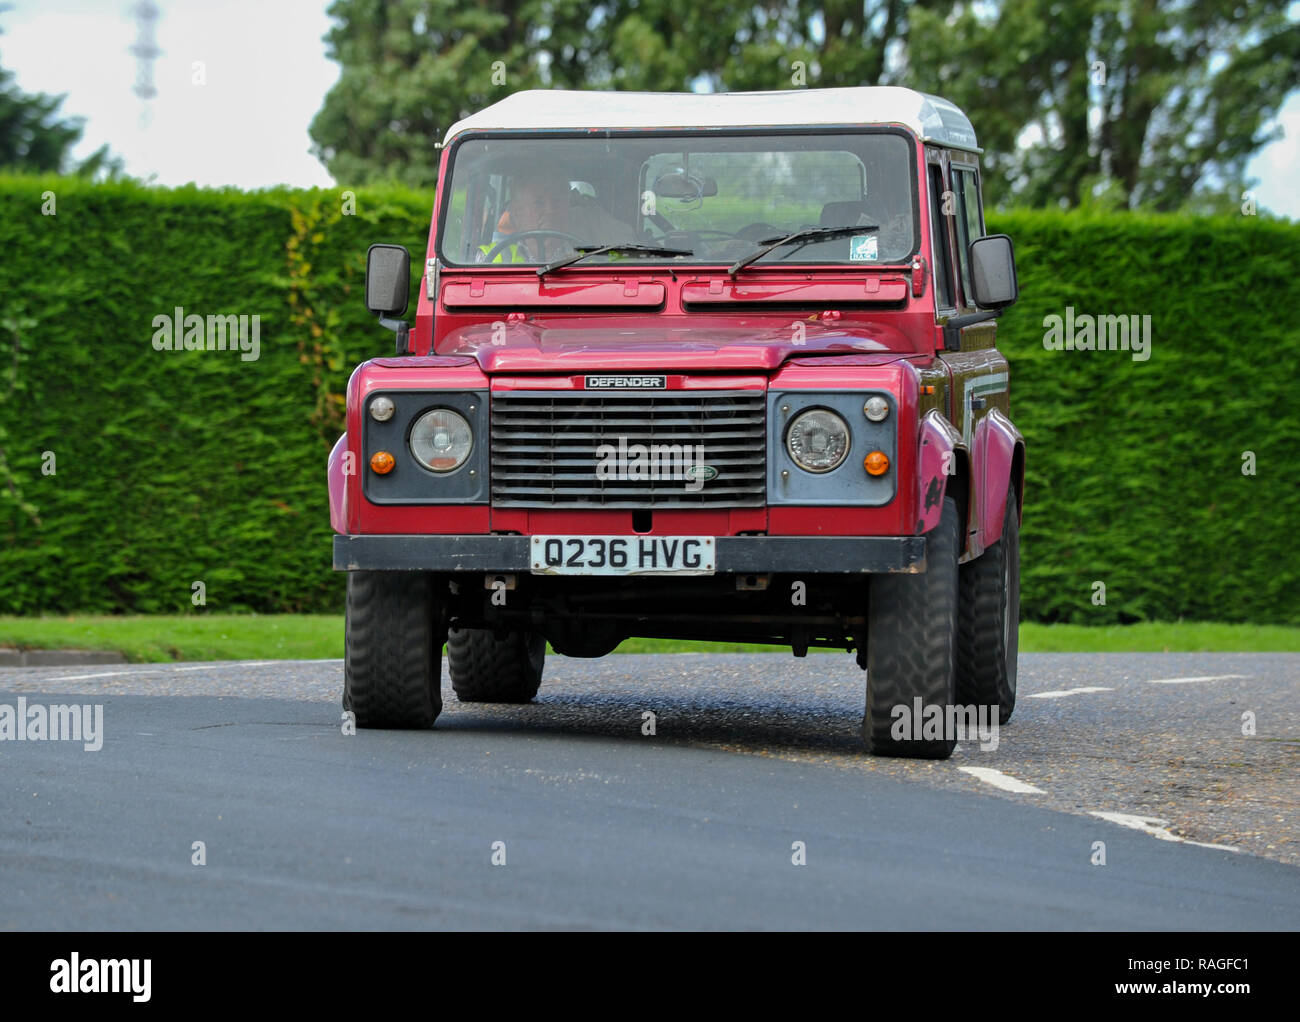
[
  {"x": 393, "y": 634},
  {"x": 988, "y": 630},
  {"x": 485, "y": 669},
  {"x": 912, "y": 649}
]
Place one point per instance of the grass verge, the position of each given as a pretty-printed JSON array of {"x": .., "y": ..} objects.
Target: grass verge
[{"x": 320, "y": 636}]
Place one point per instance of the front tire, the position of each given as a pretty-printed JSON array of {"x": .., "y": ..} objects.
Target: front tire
[
  {"x": 988, "y": 631},
  {"x": 912, "y": 650},
  {"x": 485, "y": 669},
  {"x": 393, "y": 634}
]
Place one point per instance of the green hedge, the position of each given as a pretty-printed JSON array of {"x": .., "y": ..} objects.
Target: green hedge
[
  {"x": 184, "y": 466},
  {"x": 179, "y": 467},
  {"x": 1135, "y": 469}
]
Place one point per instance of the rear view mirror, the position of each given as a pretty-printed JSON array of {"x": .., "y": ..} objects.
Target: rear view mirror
[
  {"x": 388, "y": 279},
  {"x": 993, "y": 272},
  {"x": 681, "y": 184}
]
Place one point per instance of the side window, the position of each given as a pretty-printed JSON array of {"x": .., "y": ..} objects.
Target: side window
[
  {"x": 472, "y": 216},
  {"x": 974, "y": 208},
  {"x": 940, "y": 241},
  {"x": 969, "y": 223}
]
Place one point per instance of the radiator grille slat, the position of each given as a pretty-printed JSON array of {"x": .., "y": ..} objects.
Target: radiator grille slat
[{"x": 544, "y": 447}]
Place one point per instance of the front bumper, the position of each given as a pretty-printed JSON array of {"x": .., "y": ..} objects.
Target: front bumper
[{"x": 736, "y": 555}]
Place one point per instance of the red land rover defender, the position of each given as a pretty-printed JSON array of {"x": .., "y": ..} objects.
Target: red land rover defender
[{"x": 715, "y": 367}]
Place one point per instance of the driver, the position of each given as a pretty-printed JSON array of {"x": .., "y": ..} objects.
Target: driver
[{"x": 541, "y": 200}]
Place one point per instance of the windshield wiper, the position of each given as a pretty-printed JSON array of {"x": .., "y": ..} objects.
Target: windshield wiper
[
  {"x": 583, "y": 251},
  {"x": 802, "y": 237}
]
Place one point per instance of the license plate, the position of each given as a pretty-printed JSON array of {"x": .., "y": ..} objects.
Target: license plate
[{"x": 623, "y": 555}]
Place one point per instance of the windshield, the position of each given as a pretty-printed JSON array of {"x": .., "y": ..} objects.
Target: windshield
[{"x": 717, "y": 196}]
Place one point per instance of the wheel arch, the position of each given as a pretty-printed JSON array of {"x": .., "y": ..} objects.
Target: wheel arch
[
  {"x": 1000, "y": 452},
  {"x": 337, "y": 478},
  {"x": 944, "y": 469}
]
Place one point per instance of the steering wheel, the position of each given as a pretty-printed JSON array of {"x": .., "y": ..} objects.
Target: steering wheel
[{"x": 510, "y": 239}]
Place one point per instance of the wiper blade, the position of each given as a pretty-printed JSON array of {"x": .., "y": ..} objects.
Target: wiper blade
[
  {"x": 802, "y": 237},
  {"x": 583, "y": 251}
]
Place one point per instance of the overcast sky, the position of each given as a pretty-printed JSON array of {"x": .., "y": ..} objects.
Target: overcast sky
[
  {"x": 263, "y": 60},
  {"x": 265, "y": 76}
]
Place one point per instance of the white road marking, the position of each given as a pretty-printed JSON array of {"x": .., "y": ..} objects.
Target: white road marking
[
  {"x": 1156, "y": 828},
  {"x": 1000, "y": 780},
  {"x": 228, "y": 666},
  {"x": 1183, "y": 681},
  {"x": 169, "y": 669},
  {"x": 263, "y": 663},
  {"x": 1069, "y": 692}
]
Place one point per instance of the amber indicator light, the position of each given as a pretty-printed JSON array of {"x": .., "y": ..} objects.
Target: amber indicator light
[
  {"x": 382, "y": 462},
  {"x": 876, "y": 463}
]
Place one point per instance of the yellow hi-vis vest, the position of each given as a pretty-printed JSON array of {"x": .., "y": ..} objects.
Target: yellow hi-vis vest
[
  {"x": 518, "y": 255},
  {"x": 515, "y": 251}
]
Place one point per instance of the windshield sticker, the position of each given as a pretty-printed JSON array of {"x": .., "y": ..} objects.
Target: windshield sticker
[{"x": 862, "y": 248}]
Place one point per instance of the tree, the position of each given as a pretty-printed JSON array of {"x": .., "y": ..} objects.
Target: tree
[
  {"x": 1130, "y": 103},
  {"x": 411, "y": 68},
  {"x": 1136, "y": 103},
  {"x": 33, "y": 136}
]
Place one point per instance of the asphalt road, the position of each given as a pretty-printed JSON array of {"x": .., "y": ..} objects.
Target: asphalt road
[{"x": 694, "y": 827}]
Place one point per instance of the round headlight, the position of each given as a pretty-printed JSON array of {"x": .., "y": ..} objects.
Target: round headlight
[
  {"x": 441, "y": 440},
  {"x": 876, "y": 409},
  {"x": 381, "y": 409},
  {"x": 818, "y": 440}
]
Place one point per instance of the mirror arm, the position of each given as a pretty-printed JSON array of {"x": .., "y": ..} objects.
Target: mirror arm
[
  {"x": 403, "y": 331},
  {"x": 954, "y": 325}
]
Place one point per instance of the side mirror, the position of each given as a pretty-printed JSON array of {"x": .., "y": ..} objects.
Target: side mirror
[
  {"x": 388, "y": 279},
  {"x": 993, "y": 272}
]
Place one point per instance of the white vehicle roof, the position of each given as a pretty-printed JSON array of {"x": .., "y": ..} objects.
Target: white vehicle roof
[{"x": 929, "y": 117}]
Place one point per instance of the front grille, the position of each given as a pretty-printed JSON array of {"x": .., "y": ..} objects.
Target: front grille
[{"x": 544, "y": 447}]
